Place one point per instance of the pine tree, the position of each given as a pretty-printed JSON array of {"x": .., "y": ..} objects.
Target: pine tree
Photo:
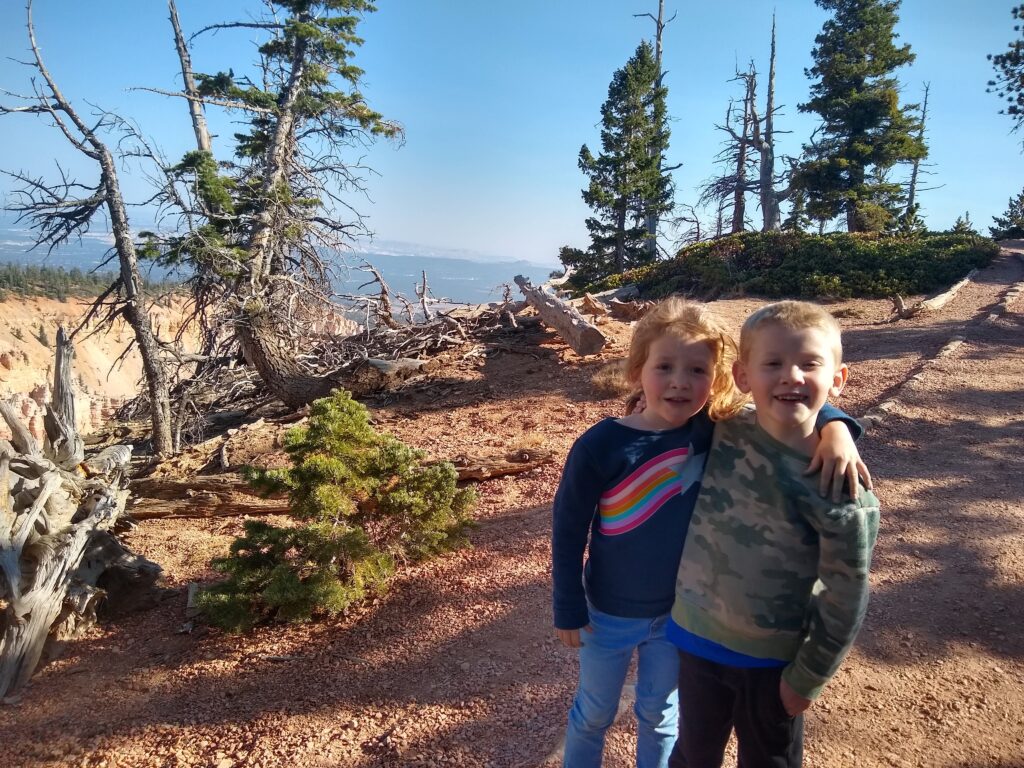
[
  {"x": 627, "y": 182},
  {"x": 1010, "y": 226},
  {"x": 1009, "y": 66},
  {"x": 864, "y": 131},
  {"x": 363, "y": 502}
]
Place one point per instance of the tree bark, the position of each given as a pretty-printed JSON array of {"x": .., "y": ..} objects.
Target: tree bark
[
  {"x": 771, "y": 216},
  {"x": 581, "y": 336},
  {"x": 912, "y": 191},
  {"x": 278, "y": 369},
  {"x": 65, "y": 444},
  {"x": 195, "y": 105}
]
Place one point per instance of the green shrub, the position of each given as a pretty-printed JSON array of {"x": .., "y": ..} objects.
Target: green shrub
[
  {"x": 794, "y": 264},
  {"x": 363, "y": 502}
]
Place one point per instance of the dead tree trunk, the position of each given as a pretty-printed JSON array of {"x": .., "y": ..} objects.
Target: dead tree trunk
[
  {"x": 67, "y": 448},
  {"x": 584, "y": 338},
  {"x": 915, "y": 172},
  {"x": 284, "y": 377},
  {"x": 764, "y": 142},
  {"x": 195, "y": 105}
]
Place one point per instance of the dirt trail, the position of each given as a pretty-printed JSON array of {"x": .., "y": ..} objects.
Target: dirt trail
[{"x": 456, "y": 664}]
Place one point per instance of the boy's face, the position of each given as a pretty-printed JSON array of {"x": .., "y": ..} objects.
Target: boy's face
[
  {"x": 676, "y": 379},
  {"x": 790, "y": 373}
]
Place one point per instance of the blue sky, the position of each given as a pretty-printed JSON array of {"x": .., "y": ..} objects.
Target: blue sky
[{"x": 497, "y": 97}]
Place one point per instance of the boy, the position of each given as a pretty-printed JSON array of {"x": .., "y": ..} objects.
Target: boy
[{"x": 773, "y": 582}]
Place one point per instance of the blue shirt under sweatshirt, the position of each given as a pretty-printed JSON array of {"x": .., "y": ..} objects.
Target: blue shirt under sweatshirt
[{"x": 632, "y": 493}]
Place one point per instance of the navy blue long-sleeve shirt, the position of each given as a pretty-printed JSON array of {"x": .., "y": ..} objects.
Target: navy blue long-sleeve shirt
[{"x": 631, "y": 492}]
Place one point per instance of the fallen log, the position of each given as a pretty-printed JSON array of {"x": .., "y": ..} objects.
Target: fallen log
[
  {"x": 230, "y": 495},
  {"x": 491, "y": 466},
  {"x": 374, "y": 375},
  {"x": 629, "y": 310},
  {"x": 583, "y": 337}
]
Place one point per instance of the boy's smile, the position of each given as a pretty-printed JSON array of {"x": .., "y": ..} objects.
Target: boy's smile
[
  {"x": 676, "y": 379},
  {"x": 790, "y": 372}
]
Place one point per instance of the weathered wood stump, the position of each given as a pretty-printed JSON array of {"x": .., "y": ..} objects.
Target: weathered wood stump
[{"x": 55, "y": 540}]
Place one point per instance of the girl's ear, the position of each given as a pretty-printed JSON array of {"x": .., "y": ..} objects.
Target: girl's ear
[
  {"x": 839, "y": 379},
  {"x": 739, "y": 373}
]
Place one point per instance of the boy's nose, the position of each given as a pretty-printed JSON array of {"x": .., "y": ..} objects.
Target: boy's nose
[{"x": 793, "y": 375}]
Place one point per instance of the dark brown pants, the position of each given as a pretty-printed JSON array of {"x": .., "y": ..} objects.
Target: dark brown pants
[{"x": 715, "y": 698}]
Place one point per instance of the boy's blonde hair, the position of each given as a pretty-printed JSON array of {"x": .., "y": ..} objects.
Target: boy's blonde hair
[
  {"x": 793, "y": 315},
  {"x": 693, "y": 321}
]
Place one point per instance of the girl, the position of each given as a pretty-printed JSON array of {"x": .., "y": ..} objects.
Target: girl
[{"x": 629, "y": 486}]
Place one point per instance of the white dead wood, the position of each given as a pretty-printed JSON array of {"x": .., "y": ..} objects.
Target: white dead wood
[
  {"x": 64, "y": 444},
  {"x": 583, "y": 337},
  {"x": 54, "y": 546}
]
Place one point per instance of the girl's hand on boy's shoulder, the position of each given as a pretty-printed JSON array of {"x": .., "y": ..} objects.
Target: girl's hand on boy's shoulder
[
  {"x": 570, "y": 638},
  {"x": 792, "y": 701}
]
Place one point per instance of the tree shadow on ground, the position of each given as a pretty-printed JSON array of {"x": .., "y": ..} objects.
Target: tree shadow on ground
[
  {"x": 331, "y": 672},
  {"x": 937, "y": 563}
]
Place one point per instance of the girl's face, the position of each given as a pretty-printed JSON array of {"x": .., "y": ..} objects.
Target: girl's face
[{"x": 676, "y": 379}]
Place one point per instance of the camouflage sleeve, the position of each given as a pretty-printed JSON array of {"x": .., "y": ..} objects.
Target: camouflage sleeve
[
  {"x": 572, "y": 514},
  {"x": 846, "y": 539}
]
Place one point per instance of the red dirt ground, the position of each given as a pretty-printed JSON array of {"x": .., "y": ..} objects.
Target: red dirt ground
[{"x": 457, "y": 665}]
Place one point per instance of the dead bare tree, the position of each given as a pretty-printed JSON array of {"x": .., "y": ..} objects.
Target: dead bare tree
[
  {"x": 652, "y": 219},
  {"x": 61, "y": 210},
  {"x": 757, "y": 133},
  {"x": 763, "y": 136}
]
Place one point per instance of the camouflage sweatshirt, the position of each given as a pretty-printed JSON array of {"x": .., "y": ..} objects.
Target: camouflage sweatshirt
[{"x": 770, "y": 569}]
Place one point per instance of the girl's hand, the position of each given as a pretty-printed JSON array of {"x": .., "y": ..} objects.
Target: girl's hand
[
  {"x": 792, "y": 701},
  {"x": 570, "y": 638},
  {"x": 837, "y": 459}
]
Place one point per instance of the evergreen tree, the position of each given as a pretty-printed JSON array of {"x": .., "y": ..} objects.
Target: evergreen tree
[
  {"x": 1009, "y": 66},
  {"x": 627, "y": 182},
  {"x": 362, "y": 503},
  {"x": 863, "y": 127},
  {"x": 964, "y": 225},
  {"x": 1010, "y": 226}
]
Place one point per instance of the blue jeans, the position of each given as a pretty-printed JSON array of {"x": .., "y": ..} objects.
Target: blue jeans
[{"x": 604, "y": 661}]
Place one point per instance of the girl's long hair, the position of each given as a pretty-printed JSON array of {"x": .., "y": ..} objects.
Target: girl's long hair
[{"x": 690, "y": 320}]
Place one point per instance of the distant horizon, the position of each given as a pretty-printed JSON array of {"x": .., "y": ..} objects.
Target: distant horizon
[{"x": 460, "y": 275}]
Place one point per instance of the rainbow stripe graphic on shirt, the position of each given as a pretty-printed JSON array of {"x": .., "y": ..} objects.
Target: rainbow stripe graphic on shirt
[{"x": 639, "y": 496}]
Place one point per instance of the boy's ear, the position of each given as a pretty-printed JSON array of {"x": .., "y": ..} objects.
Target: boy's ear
[
  {"x": 839, "y": 379},
  {"x": 739, "y": 373}
]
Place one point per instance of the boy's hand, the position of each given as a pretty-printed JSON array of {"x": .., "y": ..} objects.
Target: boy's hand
[
  {"x": 792, "y": 701},
  {"x": 570, "y": 638},
  {"x": 837, "y": 459}
]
